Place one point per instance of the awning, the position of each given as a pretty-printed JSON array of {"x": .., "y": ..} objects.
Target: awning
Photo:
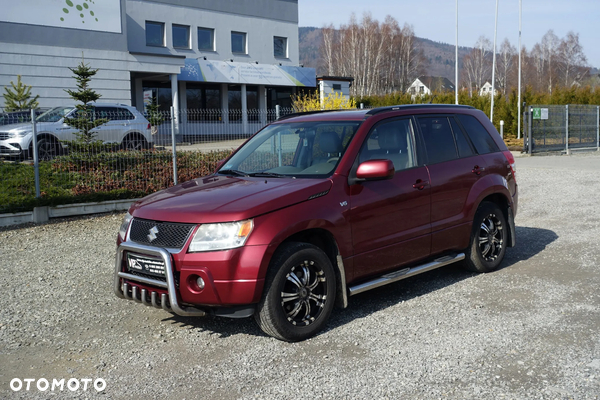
[{"x": 246, "y": 73}]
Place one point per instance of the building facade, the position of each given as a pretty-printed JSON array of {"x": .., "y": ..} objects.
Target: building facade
[{"x": 189, "y": 54}]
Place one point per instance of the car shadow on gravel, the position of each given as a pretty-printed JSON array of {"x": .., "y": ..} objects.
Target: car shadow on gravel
[{"x": 530, "y": 242}]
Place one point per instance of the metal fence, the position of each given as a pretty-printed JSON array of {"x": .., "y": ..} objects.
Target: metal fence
[
  {"x": 125, "y": 157},
  {"x": 550, "y": 128}
]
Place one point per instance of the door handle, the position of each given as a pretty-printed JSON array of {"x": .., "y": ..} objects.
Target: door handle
[
  {"x": 478, "y": 170},
  {"x": 420, "y": 184}
]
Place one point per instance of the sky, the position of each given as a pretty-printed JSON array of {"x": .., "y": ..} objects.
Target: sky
[{"x": 436, "y": 19}]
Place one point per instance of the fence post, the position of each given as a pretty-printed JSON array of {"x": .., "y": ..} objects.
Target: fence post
[
  {"x": 36, "y": 160},
  {"x": 529, "y": 144},
  {"x": 567, "y": 129},
  {"x": 277, "y": 112},
  {"x": 174, "y": 144},
  {"x": 598, "y": 127},
  {"x": 502, "y": 129}
]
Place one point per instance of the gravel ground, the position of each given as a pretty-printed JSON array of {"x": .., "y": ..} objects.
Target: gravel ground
[{"x": 528, "y": 331}]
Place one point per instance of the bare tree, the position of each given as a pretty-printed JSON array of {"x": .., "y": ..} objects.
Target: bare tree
[
  {"x": 327, "y": 48},
  {"x": 505, "y": 65},
  {"x": 478, "y": 64},
  {"x": 572, "y": 60},
  {"x": 549, "y": 49}
]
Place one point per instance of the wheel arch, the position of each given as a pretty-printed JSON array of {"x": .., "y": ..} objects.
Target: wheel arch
[
  {"x": 502, "y": 202},
  {"x": 324, "y": 240}
]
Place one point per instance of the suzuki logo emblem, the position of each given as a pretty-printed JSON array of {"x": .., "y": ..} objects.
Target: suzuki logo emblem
[{"x": 152, "y": 235}]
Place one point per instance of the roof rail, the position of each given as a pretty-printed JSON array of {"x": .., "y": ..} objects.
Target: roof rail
[
  {"x": 379, "y": 110},
  {"x": 297, "y": 114}
]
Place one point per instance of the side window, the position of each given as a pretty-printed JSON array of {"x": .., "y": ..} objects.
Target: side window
[
  {"x": 462, "y": 143},
  {"x": 122, "y": 114},
  {"x": 392, "y": 141},
  {"x": 438, "y": 138},
  {"x": 480, "y": 137}
]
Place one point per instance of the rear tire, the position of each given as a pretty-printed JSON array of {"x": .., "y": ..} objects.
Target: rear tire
[
  {"x": 299, "y": 294},
  {"x": 488, "y": 239},
  {"x": 134, "y": 142}
]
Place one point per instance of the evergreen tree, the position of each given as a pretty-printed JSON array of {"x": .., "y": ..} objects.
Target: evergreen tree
[
  {"x": 19, "y": 97},
  {"x": 154, "y": 116},
  {"x": 84, "y": 119}
]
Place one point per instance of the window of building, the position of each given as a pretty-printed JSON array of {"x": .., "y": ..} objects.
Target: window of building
[
  {"x": 238, "y": 42},
  {"x": 155, "y": 33},
  {"x": 181, "y": 36},
  {"x": 422, "y": 89},
  {"x": 280, "y": 46},
  {"x": 206, "y": 39},
  {"x": 337, "y": 86}
]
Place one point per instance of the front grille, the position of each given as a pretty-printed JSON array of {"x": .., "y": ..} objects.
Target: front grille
[
  {"x": 4, "y": 135},
  {"x": 160, "y": 234}
]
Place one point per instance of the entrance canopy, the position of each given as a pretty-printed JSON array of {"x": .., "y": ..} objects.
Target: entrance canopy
[{"x": 246, "y": 73}]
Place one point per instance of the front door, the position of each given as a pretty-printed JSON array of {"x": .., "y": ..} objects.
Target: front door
[{"x": 390, "y": 219}]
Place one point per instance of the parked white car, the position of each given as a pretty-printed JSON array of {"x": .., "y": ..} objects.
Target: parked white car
[{"x": 126, "y": 126}]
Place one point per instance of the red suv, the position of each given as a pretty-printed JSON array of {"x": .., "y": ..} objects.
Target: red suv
[{"x": 317, "y": 207}]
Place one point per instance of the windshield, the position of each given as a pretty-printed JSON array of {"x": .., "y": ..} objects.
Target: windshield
[
  {"x": 303, "y": 150},
  {"x": 54, "y": 114}
]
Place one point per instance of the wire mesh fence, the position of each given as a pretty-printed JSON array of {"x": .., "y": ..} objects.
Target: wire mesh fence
[
  {"x": 555, "y": 128},
  {"x": 116, "y": 154}
]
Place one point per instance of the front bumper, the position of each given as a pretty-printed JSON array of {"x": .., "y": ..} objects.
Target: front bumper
[
  {"x": 227, "y": 292},
  {"x": 9, "y": 149}
]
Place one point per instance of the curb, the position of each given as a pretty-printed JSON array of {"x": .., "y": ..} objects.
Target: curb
[{"x": 43, "y": 214}]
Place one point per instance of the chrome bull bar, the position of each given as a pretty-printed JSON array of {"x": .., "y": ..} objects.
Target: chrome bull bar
[{"x": 167, "y": 302}]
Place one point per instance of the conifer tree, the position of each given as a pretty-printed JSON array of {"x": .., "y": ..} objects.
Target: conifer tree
[
  {"x": 84, "y": 119},
  {"x": 19, "y": 97}
]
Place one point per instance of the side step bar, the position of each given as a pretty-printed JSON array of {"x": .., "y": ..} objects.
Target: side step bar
[{"x": 405, "y": 273}]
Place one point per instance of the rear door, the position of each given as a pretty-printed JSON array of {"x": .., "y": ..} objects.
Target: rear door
[
  {"x": 454, "y": 167},
  {"x": 390, "y": 218}
]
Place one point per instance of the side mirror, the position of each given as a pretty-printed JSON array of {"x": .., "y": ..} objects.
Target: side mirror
[{"x": 374, "y": 170}]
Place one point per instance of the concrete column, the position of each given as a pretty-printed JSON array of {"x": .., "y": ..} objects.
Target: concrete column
[
  {"x": 138, "y": 88},
  {"x": 262, "y": 104},
  {"x": 175, "y": 99},
  {"x": 225, "y": 103},
  {"x": 183, "y": 102},
  {"x": 244, "y": 110}
]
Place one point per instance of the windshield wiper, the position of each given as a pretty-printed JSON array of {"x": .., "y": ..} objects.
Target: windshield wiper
[
  {"x": 233, "y": 172},
  {"x": 268, "y": 174}
]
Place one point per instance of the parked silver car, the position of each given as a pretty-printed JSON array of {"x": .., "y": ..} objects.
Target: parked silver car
[{"x": 126, "y": 126}]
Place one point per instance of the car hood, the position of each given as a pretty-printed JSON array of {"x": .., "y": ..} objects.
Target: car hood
[
  {"x": 26, "y": 127},
  {"x": 224, "y": 198}
]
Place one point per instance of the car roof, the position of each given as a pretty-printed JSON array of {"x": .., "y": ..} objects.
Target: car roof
[{"x": 359, "y": 115}]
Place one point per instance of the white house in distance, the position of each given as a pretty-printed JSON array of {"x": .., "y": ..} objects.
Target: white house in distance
[
  {"x": 487, "y": 90},
  {"x": 425, "y": 85},
  {"x": 334, "y": 84}
]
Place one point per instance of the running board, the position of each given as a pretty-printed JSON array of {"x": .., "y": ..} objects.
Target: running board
[{"x": 405, "y": 273}]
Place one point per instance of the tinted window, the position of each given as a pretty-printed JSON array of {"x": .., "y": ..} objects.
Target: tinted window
[
  {"x": 280, "y": 46},
  {"x": 438, "y": 138},
  {"x": 462, "y": 143},
  {"x": 392, "y": 141},
  {"x": 206, "y": 39},
  {"x": 155, "y": 34},
  {"x": 181, "y": 36},
  {"x": 238, "y": 42},
  {"x": 480, "y": 137},
  {"x": 113, "y": 113}
]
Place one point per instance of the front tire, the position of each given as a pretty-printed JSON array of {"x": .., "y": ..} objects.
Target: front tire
[
  {"x": 488, "y": 239},
  {"x": 299, "y": 294}
]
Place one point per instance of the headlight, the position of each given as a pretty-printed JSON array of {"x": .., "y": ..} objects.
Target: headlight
[
  {"x": 210, "y": 237},
  {"x": 125, "y": 225},
  {"x": 20, "y": 133}
]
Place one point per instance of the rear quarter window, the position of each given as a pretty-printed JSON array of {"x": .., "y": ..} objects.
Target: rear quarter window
[{"x": 480, "y": 137}]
